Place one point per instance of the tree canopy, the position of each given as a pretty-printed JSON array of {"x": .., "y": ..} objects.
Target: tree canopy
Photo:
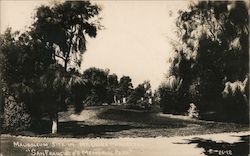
[
  {"x": 125, "y": 86},
  {"x": 64, "y": 27}
]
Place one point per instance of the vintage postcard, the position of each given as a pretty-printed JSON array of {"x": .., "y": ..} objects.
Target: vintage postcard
[{"x": 124, "y": 78}]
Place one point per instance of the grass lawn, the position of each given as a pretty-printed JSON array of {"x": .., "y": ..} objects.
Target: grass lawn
[
  {"x": 116, "y": 121},
  {"x": 114, "y": 130}
]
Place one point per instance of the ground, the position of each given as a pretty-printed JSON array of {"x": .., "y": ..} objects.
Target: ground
[
  {"x": 111, "y": 126},
  {"x": 117, "y": 121},
  {"x": 213, "y": 144}
]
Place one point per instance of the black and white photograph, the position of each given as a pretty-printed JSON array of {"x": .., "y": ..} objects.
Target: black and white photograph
[{"x": 124, "y": 78}]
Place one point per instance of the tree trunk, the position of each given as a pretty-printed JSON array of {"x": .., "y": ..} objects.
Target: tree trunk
[
  {"x": 66, "y": 60},
  {"x": 65, "y": 64},
  {"x": 115, "y": 99},
  {"x": 54, "y": 119}
]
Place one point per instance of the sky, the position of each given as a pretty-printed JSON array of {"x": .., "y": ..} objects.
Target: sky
[{"x": 135, "y": 40}]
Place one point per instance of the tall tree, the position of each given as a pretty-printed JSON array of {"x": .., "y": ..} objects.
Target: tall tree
[
  {"x": 96, "y": 80},
  {"x": 64, "y": 26},
  {"x": 125, "y": 87},
  {"x": 112, "y": 88}
]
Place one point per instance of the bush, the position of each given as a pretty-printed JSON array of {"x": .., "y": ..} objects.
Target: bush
[
  {"x": 235, "y": 109},
  {"x": 92, "y": 100},
  {"x": 16, "y": 117},
  {"x": 192, "y": 111},
  {"x": 140, "y": 105},
  {"x": 232, "y": 108},
  {"x": 169, "y": 100}
]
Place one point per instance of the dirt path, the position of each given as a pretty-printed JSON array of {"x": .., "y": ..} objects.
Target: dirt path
[{"x": 213, "y": 144}]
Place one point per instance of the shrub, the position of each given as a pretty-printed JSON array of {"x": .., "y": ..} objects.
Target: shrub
[
  {"x": 235, "y": 109},
  {"x": 140, "y": 105},
  {"x": 16, "y": 117},
  {"x": 169, "y": 100},
  {"x": 192, "y": 111}
]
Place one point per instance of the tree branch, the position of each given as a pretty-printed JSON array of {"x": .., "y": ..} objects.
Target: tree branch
[{"x": 61, "y": 57}]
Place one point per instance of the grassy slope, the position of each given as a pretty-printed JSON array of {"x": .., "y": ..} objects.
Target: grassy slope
[
  {"x": 151, "y": 124},
  {"x": 116, "y": 121}
]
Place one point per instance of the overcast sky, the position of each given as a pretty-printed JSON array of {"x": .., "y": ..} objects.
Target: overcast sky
[{"x": 135, "y": 41}]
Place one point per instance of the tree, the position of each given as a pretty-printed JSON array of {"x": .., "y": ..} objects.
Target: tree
[
  {"x": 23, "y": 61},
  {"x": 64, "y": 26},
  {"x": 78, "y": 89},
  {"x": 125, "y": 87},
  {"x": 112, "y": 88},
  {"x": 139, "y": 97},
  {"x": 212, "y": 49},
  {"x": 170, "y": 95},
  {"x": 31, "y": 62},
  {"x": 50, "y": 94},
  {"x": 96, "y": 80},
  {"x": 137, "y": 94}
]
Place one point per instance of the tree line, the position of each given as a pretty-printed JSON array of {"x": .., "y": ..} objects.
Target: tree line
[{"x": 101, "y": 87}]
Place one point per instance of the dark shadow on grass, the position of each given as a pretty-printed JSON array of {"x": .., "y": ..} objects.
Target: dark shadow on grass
[
  {"x": 213, "y": 148},
  {"x": 141, "y": 118},
  {"x": 77, "y": 129}
]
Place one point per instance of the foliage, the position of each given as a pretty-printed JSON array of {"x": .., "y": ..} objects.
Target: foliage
[
  {"x": 139, "y": 105},
  {"x": 112, "y": 88},
  {"x": 30, "y": 74},
  {"x": 65, "y": 26},
  {"x": 102, "y": 87},
  {"x": 139, "y": 97},
  {"x": 16, "y": 117},
  {"x": 170, "y": 93},
  {"x": 169, "y": 99},
  {"x": 125, "y": 87},
  {"x": 212, "y": 48},
  {"x": 78, "y": 91},
  {"x": 96, "y": 80},
  {"x": 22, "y": 58},
  {"x": 23, "y": 62},
  {"x": 192, "y": 111},
  {"x": 234, "y": 108},
  {"x": 30, "y": 68}
]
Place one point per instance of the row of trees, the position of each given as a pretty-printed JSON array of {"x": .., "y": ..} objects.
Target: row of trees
[
  {"x": 212, "y": 52},
  {"x": 101, "y": 87}
]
